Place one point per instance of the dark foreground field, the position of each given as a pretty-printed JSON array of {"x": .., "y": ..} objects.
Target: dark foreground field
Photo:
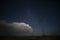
[{"x": 29, "y": 37}]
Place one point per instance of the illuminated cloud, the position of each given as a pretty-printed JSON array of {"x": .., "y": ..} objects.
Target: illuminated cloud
[
  {"x": 14, "y": 28},
  {"x": 21, "y": 26}
]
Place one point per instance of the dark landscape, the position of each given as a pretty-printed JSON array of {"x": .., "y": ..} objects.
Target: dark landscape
[{"x": 29, "y": 37}]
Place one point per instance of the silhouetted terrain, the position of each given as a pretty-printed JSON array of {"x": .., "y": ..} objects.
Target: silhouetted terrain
[{"x": 29, "y": 37}]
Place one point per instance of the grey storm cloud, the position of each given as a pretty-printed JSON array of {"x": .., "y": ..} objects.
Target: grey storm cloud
[{"x": 14, "y": 28}]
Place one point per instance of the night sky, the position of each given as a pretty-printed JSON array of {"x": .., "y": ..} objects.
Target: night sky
[{"x": 41, "y": 15}]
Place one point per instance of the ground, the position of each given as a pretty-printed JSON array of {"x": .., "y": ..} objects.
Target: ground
[{"x": 29, "y": 37}]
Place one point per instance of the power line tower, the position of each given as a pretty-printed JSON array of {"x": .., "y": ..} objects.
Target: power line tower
[{"x": 42, "y": 22}]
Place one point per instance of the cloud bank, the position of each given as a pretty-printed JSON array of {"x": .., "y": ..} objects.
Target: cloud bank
[{"x": 15, "y": 28}]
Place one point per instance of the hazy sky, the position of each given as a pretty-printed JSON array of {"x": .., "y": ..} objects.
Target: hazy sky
[{"x": 32, "y": 12}]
